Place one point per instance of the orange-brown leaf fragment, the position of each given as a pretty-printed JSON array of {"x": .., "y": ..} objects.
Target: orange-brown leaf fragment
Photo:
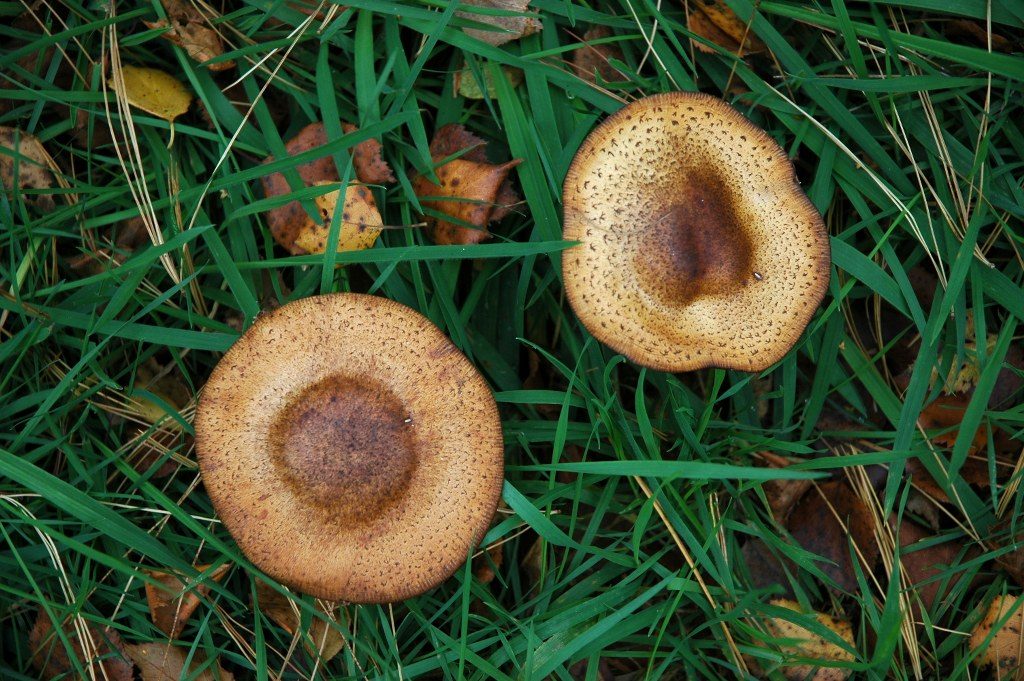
[
  {"x": 369, "y": 163},
  {"x": 593, "y": 60},
  {"x": 166, "y": 662},
  {"x": 797, "y": 641},
  {"x": 360, "y": 226},
  {"x": 188, "y": 29},
  {"x": 321, "y": 639},
  {"x": 24, "y": 164},
  {"x": 469, "y": 191},
  {"x": 102, "y": 651},
  {"x": 714, "y": 21},
  {"x": 506, "y": 27},
  {"x": 173, "y": 600},
  {"x": 782, "y": 495},
  {"x": 923, "y": 564},
  {"x": 1004, "y": 651},
  {"x": 825, "y": 520}
]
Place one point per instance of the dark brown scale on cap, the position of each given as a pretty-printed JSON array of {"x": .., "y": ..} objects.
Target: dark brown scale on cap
[
  {"x": 351, "y": 450},
  {"x": 698, "y": 246}
]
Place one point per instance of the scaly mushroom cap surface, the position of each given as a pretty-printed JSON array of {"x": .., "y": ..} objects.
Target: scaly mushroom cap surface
[
  {"x": 698, "y": 246},
  {"x": 350, "y": 448}
]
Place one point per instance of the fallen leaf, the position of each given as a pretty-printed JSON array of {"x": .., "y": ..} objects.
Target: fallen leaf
[
  {"x": 469, "y": 190},
  {"x": 1004, "y": 650},
  {"x": 796, "y": 641},
  {"x": 188, "y": 29},
  {"x": 320, "y": 639},
  {"x": 974, "y": 32},
  {"x": 155, "y": 92},
  {"x": 506, "y": 28},
  {"x": 164, "y": 382},
  {"x": 782, "y": 495},
  {"x": 815, "y": 526},
  {"x": 1013, "y": 562},
  {"x": 369, "y": 163},
  {"x": 361, "y": 223},
  {"x": 128, "y": 237},
  {"x": 594, "y": 60},
  {"x": 24, "y": 164},
  {"x": 533, "y": 561},
  {"x": 292, "y": 227},
  {"x": 106, "y": 656},
  {"x": 714, "y": 21},
  {"x": 167, "y": 662},
  {"x": 149, "y": 445},
  {"x": 923, "y": 563},
  {"x": 766, "y": 570},
  {"x": 172, "y": 603},
  {"x": 467, "y": 84},
  {"x": 486, "y": 563}
]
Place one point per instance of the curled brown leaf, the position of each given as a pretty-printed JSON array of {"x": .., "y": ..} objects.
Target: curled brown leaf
[
  {"x": 469, "y": 190},
  {"x": 187, "y": 28},
  {"x": 99, "y": 650},
  {"x": 172, "y": 600}
]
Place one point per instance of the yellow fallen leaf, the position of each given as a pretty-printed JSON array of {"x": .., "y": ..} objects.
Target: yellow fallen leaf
[
  {"x": 166, "y": 662},
  {"x": 1003, "y": 651},
  {"x": 155, "y": 92},
  {"x": 797, "y": 641},
  {"x": 361, "y": 223}
]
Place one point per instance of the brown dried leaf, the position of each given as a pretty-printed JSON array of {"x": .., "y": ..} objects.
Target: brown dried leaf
[
  {"x": 155, "y": 92},
  {"x": 965, "y": 30},
  {"x": 923, "y": 565},
  {"x": 486, "y": 563},
  {"x": 714, "y": 21},
  {"x": 766, "y": 570},
  {"x": 166, "y": 662},
  {"x": 106, "y": 653},
  {"x": 369, "y": 163},
  {"x": 782, "y": 495},
  {"x": 816, "y": 527},
  {"x": 1005, "y": 649},
  {"x": 25, "y": 151},
  {"x": 171, "y": 605},
  {"x": 188, "y": 29},
  {"x": 506, "y": 28},
  {"x": 591, "y": 61},
  {"x": 798, "y": 641},
  {"x": 166, "y": 383},
  {"x": 321, "y": 639},
  {"x": 469, "y": 189},
  {"x": 1013, "y": 562}
]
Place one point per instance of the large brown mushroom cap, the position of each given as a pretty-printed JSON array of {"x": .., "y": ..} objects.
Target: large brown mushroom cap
[
  {"x": 351, "y": 450},
  {"x": 698, "y": 247}
]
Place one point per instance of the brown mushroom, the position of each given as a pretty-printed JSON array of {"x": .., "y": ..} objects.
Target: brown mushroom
[
  {"x": 697, "y": 246},
  {"x": 351, "y": 450}
]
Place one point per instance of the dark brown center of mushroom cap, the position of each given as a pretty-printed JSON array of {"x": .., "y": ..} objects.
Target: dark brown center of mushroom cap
[
  {"x": 697, "y": 247},
  {"x": 346, "y": 444}
]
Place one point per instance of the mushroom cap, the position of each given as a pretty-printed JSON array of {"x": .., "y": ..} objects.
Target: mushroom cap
[
  {"x": 351, "y": 450},
  {"x": 698, "y": 246}
]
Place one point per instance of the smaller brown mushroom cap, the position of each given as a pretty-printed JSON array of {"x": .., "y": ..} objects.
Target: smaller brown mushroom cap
[
  {"x": 351, "y": 450},
  {"x": 698, "y": 246}
]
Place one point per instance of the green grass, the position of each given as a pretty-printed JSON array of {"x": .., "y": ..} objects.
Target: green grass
[{"x": 637, "y": 488}]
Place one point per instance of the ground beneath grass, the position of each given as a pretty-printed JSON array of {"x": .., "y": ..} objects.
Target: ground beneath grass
[{"x": 652, "y": 525}]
